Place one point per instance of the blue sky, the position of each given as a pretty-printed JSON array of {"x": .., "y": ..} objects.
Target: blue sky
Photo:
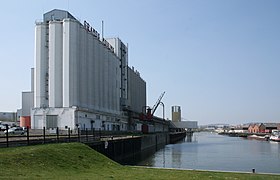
[{"x": 219, "y": 60}]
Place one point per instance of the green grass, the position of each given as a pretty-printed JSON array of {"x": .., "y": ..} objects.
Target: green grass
[{"x": 78, "y": 161}]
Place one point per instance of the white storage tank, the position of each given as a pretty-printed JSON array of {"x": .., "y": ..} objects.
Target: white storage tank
[
  {"x": 70, "y": 63},
  {"x": 41, "y": 65},
  {"x": 55, "y": 64}
]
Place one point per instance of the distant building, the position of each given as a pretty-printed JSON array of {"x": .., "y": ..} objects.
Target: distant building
[
  {"x": 27, "y": 103},
  {"x": 80, "y": 78},
  {"x": 176, "y": 120},
  {"x": 256, "y": 128},
  {"x": 176, "y": 113},
  {"x": 269, "y": 127},
  {"x": 263, "y": 127},
  {"x": 8, "y": 116},
  {"x": 19, "y": 112}
]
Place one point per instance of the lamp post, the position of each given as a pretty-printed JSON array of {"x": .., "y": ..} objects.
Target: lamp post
[
  {"x": 162, "y": 115},
  {"x": 162, "y": 110}
]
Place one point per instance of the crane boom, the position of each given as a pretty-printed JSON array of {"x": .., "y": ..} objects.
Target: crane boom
[{"x": 157, "y": 103}]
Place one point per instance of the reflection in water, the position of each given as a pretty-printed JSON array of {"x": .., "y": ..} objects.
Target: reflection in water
[
  {"x": 176, "y": 157},
  {"x": 189, "y": 137},
  {"x": 215, "y": 152},
  {"x": 163, "y": 157},
  {"x": 177, "y": 151}
]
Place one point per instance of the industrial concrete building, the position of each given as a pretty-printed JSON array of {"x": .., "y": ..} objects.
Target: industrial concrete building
[
  {"x": 176, "y": 113},
  {"x": 8, "y": 116},
  {"x": 177, "y": 119},
  {"x": 81, "y": 79},
  {"x": 137, "y": 91},
  {"x": 27, "y": 103}
]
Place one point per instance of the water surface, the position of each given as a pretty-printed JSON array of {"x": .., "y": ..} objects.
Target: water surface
[{"x": 210, "y": 151}]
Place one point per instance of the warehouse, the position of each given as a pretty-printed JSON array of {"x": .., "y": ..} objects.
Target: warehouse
[{"x": 81, "y": 79}]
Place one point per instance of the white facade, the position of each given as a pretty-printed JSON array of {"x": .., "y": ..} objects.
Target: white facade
[
  {"x": 65, "y": 118},
  {"x": 41, "y": 70},
  {"x": 27, "y": 103},
  {"x": 55, "y": 64},
  {"x": 80, "y": 79},
  {"x": 122, "y": 53},
  {"x": 136, "y": 91},
  {"x": 74, "y": 66}
]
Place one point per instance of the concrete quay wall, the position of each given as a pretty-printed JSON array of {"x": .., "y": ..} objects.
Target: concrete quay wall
[{"x": 133, "y": 149}]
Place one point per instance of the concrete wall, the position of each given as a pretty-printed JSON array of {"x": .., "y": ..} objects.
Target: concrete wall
[
  {"x": 27, "y": 103},
  {"x": 55, "y": 64},
  {"x": 65, "y": 117},
  {"x": 119, "y": 150},
  {"x": 136, "y": 91},
  {"x": 154, "y": 140},
  {"x": 122, "y": 53},
  {"x": 74, "y": 117},
  {"x": 131, "y": 150}
]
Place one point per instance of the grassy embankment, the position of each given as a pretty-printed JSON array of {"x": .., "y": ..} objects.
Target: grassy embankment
[{"x": 78, "y": 161}]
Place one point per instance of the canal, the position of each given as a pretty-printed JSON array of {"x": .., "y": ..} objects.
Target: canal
[{"x": 210, "y": 151}]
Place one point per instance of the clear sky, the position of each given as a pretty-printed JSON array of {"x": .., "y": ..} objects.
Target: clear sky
[{"x": 219, "y": 60}]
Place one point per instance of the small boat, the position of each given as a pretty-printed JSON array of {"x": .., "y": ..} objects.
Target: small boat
[
  {"x": 262, "y": 138},
  {"x": 275, "y": 136}
]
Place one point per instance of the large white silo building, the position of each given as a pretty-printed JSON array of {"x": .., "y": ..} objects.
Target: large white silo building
[{"x": 82, "y": 80}]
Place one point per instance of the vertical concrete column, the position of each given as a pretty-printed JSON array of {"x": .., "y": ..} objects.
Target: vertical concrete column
[
  {"x": 41, "y": 64},
  {"x": 55, "y": 64}
]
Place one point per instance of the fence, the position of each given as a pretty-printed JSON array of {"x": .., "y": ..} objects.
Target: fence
[{"x": 33, "y": 137}]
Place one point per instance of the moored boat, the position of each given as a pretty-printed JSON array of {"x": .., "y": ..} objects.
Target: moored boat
[
  {"x": 262, "y": 138},
  {"x": 275, "y": 136}
]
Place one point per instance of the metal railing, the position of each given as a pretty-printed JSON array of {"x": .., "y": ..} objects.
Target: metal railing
[{"x": 56, "y": 135}]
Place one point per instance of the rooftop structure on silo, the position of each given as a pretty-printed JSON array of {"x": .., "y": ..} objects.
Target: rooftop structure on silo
[{"x": 57, "y": 15}]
